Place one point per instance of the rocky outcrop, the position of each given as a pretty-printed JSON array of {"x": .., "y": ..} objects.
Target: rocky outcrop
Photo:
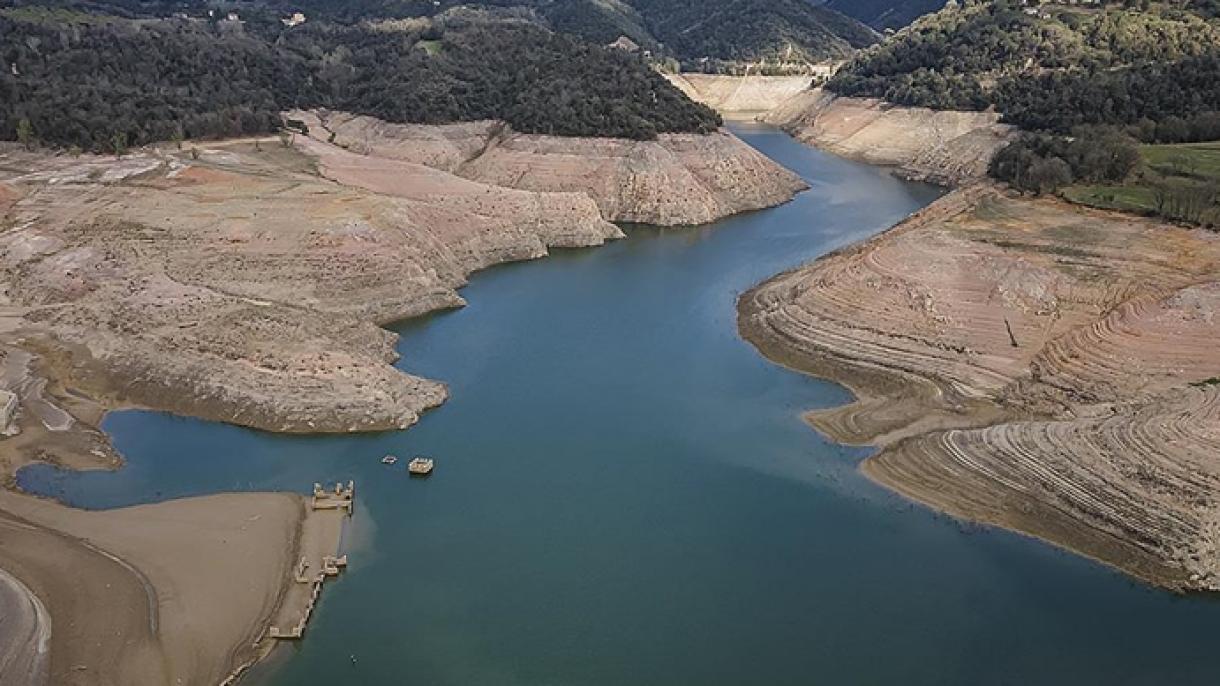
[
  {"x": 1028, "y": 364},
  {"x": 678, "y": 179},
  {"x": 739, "y": 96},
  {"x": 444, "y": 146},
  {"x": 940, "y": 146}
]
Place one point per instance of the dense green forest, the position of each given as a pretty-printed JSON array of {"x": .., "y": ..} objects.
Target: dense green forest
[
  {"x": 1150, "y": 66},
  {"x": 885, "y": 14},
  {"x": 1088, "y": 83},
  {"x": 103, "y": 82},
  {"x": 699, "y": 34},
  {"x": 1044, "y": 163},
  {"x": 710, "y": 35},
  {"x": 601, "y": 22},
  {"x": 751, "y": 30}
]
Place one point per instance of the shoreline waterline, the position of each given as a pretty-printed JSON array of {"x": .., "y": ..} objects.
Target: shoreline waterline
[{"x": 627, "y": 492}]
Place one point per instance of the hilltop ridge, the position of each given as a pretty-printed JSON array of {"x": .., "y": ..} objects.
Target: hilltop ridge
[
  {"x": 1051, "y": 67},
  {"x": 103, "y": 82}
]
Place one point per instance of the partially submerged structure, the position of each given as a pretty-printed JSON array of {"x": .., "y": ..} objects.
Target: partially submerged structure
[{"x": 319, "y": 559}]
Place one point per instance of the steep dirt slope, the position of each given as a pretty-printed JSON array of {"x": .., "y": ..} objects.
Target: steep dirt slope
[
  {"x": 678, "y": 179},
  {"x": 242, "y": 287},
  {"x": 740, "y": 95},
  {"x": 945, "y": 147}
]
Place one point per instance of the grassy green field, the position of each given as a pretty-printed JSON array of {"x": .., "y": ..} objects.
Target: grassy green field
[
  {"x": 1195, "y": 160},
  {"x": 1139, "y": 199},
  {"x": 1176, "y": 181}
]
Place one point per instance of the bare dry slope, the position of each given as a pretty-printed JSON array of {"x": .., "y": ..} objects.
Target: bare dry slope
[
  {"x": 242, "y": 287},
  {"x": 946, "y": 147},
  {"x": 172, "y": 593},
  {"x": 740, "y": 95},
  {"x": 1094, "y": 424},
  {"x": 678, "y": 179},
  {"x": 245, "y": 282}
]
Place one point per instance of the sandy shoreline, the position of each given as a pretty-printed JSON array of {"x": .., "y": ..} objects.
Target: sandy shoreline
[
  {"x": 1095, "y": 432},
  {"x": 173, "y": 592}
]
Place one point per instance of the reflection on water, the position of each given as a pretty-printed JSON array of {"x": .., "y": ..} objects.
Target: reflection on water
[{"x": 625, "y": 494}]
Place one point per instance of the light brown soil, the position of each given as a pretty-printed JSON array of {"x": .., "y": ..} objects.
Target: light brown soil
[
  {"x": 172, "y": 593},
  {"x": 247, "y": 285},
  {"x": 75, "y": 444},
  {"x": 740, "y": 96},
  {"x": 678, "y": 179},
  {"x": 945, "y": 147},
  {"x": 1087, "y": 433},
  {"x": 243, "y": 288}
]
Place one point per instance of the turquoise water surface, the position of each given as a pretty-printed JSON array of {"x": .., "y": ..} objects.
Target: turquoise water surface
[{"x": 625, "y": 495}]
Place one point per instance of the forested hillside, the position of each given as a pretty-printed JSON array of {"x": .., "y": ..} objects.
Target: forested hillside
[
  {"x": 708, "y": 35},
  {"x": 102, "y": 82},
  {"x": 1154, "y": 67},
  {"x": 885, "y": 14},
  {"x": 749, "y": 30},
  {"x": 600, "y": 21}
]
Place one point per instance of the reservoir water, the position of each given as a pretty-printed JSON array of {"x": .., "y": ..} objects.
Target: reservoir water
[{"x": 625, "y": 494}]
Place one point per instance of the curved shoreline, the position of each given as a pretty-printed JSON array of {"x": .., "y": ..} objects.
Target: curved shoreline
[
  {"x": 913, "y": 320},
  {"x": 244, "y": 283},
  {"x": 937, "y": 394},
  {"x": 222, "y": 316},
  {"x": 153, "y": 609},
  {"x": 876, "y": 390}
]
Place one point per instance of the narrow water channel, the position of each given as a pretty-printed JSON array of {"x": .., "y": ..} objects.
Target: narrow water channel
[{"x": 625, "y": 494}]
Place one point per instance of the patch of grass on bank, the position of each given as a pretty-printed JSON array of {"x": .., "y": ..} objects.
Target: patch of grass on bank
[
  {"x": 1179, "y": 182},
  {"x": 1136, "y": 199},
  {"x": 1199, "y": 161}
]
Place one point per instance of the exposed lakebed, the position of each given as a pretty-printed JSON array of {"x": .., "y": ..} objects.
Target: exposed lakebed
[{"x": 625, "y": 493}]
